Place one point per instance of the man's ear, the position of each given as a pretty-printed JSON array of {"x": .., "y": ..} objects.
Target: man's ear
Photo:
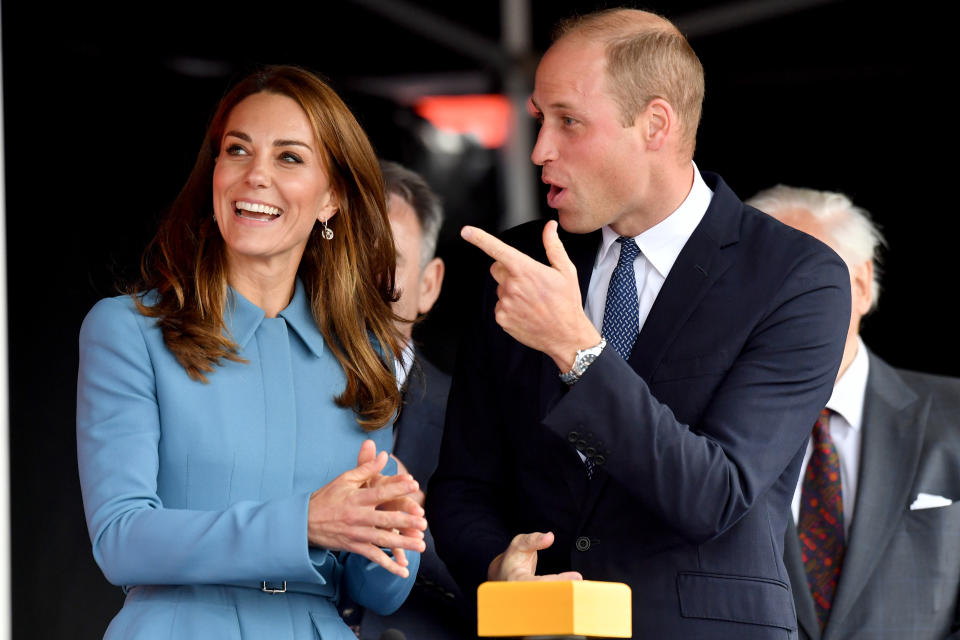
[
  {"x": 861, "y": 287},
  {"x": 658, "y": 120},
  {"x": 431, "y": 279}
]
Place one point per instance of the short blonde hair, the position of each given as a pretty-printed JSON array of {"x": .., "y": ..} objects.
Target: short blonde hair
[{"x": 647, "y": 58}]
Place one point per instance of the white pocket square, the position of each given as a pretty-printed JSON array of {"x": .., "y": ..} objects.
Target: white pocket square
[{"x": 929, "y": 501}]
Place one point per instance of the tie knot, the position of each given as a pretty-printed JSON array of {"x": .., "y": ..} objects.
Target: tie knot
[
  {"x": 628, "y": 248},
  {"x": 822, "y": 426}
]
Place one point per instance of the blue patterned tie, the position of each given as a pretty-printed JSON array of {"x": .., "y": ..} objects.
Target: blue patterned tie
[{"x": 621, "y": 311}]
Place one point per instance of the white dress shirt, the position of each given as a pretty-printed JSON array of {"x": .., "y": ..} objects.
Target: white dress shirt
[
  {"x": 659, "y": 247},
  {"x": 403, "y": 364},
  {"x": 846, "y": 431}
]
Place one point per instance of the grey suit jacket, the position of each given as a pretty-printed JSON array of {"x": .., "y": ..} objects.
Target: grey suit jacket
[{"x": 901, "y": 572}]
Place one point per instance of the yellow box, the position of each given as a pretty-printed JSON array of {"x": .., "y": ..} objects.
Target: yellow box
[{"x": 554, "y": 608}]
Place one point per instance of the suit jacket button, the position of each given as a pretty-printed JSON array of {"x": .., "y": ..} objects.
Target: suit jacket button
[
  {"x": 583, "y": 543},
  {"x": 573, "y": 436},
  {"x": 599, "y": 459}
]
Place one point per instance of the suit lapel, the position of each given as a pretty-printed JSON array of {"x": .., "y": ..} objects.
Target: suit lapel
[
  {"x": 699, "y": 265},
  {"x": 401, "y": 434},
  {"x": 806, "y": 613},
  {"x": 894, "y": 420}
]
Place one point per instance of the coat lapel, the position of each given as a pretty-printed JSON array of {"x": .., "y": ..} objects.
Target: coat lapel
[{"x": 894, "y": 420}]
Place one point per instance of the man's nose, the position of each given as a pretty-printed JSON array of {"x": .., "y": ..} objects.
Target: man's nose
[{"x": 544, "y": 150}]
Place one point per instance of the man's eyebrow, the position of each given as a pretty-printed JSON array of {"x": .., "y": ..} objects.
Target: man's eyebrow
[{"x": 552, "y": 105}]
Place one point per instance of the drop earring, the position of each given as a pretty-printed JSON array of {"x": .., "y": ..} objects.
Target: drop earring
[{"x": 327, "y": 231}]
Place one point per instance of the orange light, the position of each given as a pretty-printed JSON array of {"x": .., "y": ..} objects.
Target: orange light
[{"x": 485, "y": 116}]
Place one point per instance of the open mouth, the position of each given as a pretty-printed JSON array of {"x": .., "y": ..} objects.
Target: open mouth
[
  {"x": 256, "y": 211},
  {"x": 555, "y": 195}
]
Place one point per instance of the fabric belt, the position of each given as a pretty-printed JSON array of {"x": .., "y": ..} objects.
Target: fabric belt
[{"x": 280, "y": 587}]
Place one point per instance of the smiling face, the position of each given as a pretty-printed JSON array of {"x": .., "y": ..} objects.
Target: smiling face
[
  {"x": 596, "y": 167},
  {"x": 269, "y": 184}
]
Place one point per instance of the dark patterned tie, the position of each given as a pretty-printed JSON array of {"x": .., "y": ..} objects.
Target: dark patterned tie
[
  {"x": 620, "y": 312},
  {"x": 820, "y": 527}
]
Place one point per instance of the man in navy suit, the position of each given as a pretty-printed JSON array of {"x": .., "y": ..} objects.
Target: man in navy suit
[
  {"x": 634, "y": 402},
  {"x": 434, "y": 607},
  {"x": 898, "y": 449}
]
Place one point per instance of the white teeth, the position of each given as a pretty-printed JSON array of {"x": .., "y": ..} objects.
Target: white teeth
[{"x": 256, "y": 207}]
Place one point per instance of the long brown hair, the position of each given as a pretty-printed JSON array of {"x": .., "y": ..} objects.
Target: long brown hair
[{"x": 349, "y": 279}]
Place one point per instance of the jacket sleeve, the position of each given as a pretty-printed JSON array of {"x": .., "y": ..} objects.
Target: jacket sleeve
[{"x": 371, "y": 586}]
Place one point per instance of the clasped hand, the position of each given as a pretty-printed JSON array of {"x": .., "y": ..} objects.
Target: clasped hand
[{"x": 364, "y": 512}]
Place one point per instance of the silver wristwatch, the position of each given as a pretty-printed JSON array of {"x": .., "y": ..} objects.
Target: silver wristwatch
[{"x": 583, "y": 360}]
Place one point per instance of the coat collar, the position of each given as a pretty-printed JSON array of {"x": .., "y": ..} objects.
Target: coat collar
[{"x": 242, "y": 318}]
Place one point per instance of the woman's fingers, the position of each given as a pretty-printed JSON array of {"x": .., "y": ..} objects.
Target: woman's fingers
[
  {"x": 385, "y": 538},
  {"x": 365, "y": 512},
  {"x": 368, "y": 452},
  {"x": 377, "y": 555}
]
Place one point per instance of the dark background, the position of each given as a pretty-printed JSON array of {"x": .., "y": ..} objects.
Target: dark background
[{"x": 105, "y": 108}]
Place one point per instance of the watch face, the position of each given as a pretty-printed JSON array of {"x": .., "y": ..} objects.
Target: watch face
[{"x": 581, "y": 365}]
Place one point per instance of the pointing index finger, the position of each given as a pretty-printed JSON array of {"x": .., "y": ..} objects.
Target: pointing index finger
[{"x": 494, "y": 247}]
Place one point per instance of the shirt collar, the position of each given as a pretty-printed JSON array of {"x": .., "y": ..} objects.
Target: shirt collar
[
  {"x": 404, "y": 364},
  {"x": 242, "y": 318},
  {"x": 662, "y": 243},
  {"x": 849, "y": 391}
]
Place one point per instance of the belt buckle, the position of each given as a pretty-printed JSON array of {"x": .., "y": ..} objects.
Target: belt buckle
[{"x": 273, "y": 589}]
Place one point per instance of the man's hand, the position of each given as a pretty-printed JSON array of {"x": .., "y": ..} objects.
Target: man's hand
[
  {"x": 519, "y": 561},
  {"x": 539, "y": 305}
]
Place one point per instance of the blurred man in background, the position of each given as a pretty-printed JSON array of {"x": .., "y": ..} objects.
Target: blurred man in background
[
  {"x": 881, "y": 558},
  {"x": 433, "y": 609}
]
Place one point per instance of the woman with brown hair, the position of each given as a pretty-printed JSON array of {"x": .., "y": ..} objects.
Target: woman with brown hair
[{"x": 231, "y": 409}]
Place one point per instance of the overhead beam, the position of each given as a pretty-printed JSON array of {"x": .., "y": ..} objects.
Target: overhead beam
[
  {"x": 439, "y": 29},
  {"x": 734, "y": 15}
]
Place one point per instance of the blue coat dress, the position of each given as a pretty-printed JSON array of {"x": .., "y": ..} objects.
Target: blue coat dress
[{"x": 196, "y": 494}]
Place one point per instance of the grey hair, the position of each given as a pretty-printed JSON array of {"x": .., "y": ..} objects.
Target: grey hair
[
  {"x": 855, "y": 235},
  {"x": 410, "y": 186}
]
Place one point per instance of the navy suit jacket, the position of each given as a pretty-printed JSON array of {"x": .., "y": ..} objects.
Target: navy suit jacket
[
  {"x": 434, "y": 610},
  {"x": 901, "y": 572},
  {"x": 697, "y": 440}
]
